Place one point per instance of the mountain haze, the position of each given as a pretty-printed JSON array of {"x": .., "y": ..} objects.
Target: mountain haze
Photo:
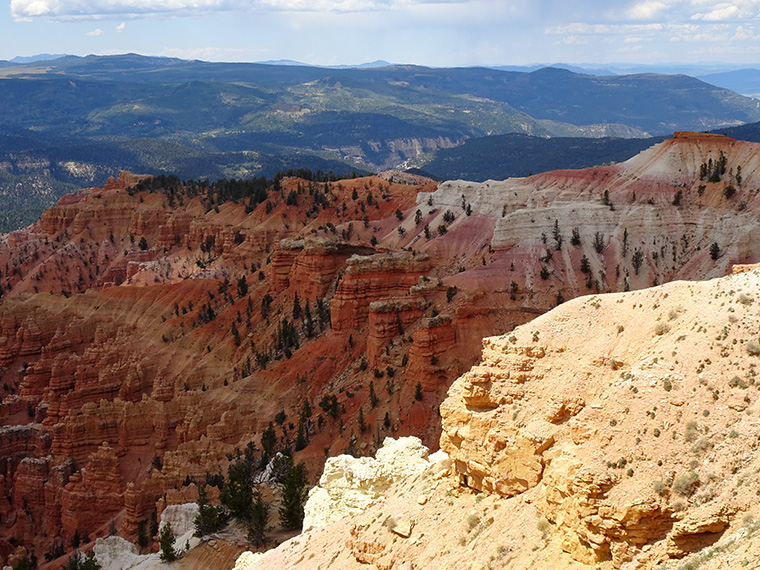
[{"x": 75, "y": 120}]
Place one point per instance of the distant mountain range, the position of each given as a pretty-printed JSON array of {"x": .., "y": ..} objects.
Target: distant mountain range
[
  {"x": 38, "y": 57},
  {"x": 75, "y": 120}
]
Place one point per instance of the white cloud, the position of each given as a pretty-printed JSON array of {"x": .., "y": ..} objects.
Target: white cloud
[
  {"x": 578, "y": 28},
  {"x": 95, "y": 33},
  {"x": 647, "y": 10},
  {"x": 97, "y": 9},
  {"x": 576, "y": 40},
  {"x": 120, "y": 28},
  {"x": 711, "y": 11},
  {"x": 718, "y": 13},
  {"x": 744, "y": 33}
]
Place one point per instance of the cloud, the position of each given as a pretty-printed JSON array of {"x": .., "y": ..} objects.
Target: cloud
[
  {"x": 578, "y": 28},
  {"x": 120, "y": 28},
  {"x": 647, "y": 10},
  {"x": 95, "y": 33},
  {"x": 711, "y": 11},
  {"x": 99, "y": 9},
  {"x": 718, "y": 13}
]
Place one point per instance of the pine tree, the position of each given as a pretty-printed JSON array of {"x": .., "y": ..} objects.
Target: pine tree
[
  {"x": 293, "y": 497},
  {"x": 296, "y": 307},
  {"x": 142, "y": 536},
  {"x": 210, "y": 518},
  {"x": 301, "y": 441},
  {"x": 166, "y": 543},
  {"x": 259, "y": 518},
  {"x": 269, "y": 440},
  {"x": 242, "y": 287},
  {"x": 714, "y": 251},
  {"x": 153, "y": 523}
]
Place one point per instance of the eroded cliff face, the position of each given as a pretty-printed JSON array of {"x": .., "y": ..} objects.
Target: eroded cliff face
[
  {"x": 616, "y": 431},
  {"x": 174, "y": 324},
  {"x": 630, "y": 436}
]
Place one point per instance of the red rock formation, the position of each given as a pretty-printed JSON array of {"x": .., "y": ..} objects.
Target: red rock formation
[
  {"x": 94, "y": 496},
  {"x": 283, "y": 258},
  {"x": 389, "y": 319},
  {"x": 152, "y": 366},
  {"x": 373, "y": 278},
  {"x": 314, "y": 270},
  {"x": 430, "y": 357}
]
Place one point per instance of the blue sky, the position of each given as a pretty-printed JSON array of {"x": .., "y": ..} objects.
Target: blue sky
[{"x": 425, "y": 32}]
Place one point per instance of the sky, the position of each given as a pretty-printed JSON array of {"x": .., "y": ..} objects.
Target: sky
[{"x": 439, "y": 33}]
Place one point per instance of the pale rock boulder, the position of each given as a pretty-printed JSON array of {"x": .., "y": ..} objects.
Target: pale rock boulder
[
  {"x": 349, "y": 485},
  {"x": 181, "y": 517},
  {"x": 246, "y": 559},
  {"x": 116, "y": 553}
]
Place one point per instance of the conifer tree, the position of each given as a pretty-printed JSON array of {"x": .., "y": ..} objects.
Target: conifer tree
[
  {"x": 293, "y": 497},
  {"x": 257, "y": 526},
  {"x": 166, "y": 543}
]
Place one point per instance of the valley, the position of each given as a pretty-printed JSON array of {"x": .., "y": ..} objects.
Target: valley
[
  {"x": 151, "y": 329},
  {"x": 72, "y": 122}
]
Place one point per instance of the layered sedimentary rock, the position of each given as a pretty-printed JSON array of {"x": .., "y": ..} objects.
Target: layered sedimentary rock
[
  {"x": 180, "y": 348},
  {"x": 616, "y": 431},
  {"x": 430, "y": 356},
  {"x": 94, "y": 496},
  {"x": 389, "y": 319},
  {"x": 630, "y": 408},
  {"x": 372, "y": 278}
]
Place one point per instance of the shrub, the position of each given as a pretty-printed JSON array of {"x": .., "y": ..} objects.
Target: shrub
[
  {"x": 753, "y": 348},
  {"x": 701, "y": 446},
  {"x": 660, "y": 487},
  {"x": 389, "y": 523},
  {"x": 472, "y": 521},
  {"x": 685, "y": 484},
  {"x": 691, "y": 433},
  {"x": 745, "y": 299},
  {"x": 543, "y": 526},
  {"x": 661, "y": 328}
]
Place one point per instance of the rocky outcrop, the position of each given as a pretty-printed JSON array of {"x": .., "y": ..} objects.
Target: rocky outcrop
[
  {"x": 349, "y": 485},
  {"x": 630, "y": 448},
  {"x": 283, "y": 259},
  {"x": 430, "y": 355},
  {"x": 373, "y": 278},
  {"x": 180, "y": 517},
  {"x": 389, "y": 319},
  {"x": 115, "y": 553},
  {"x": 318, "y": 265},
  {"x": 509, "y": 429},
  {"x": 93, "y": 496},
  {"x": 162, "y": 350}
]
